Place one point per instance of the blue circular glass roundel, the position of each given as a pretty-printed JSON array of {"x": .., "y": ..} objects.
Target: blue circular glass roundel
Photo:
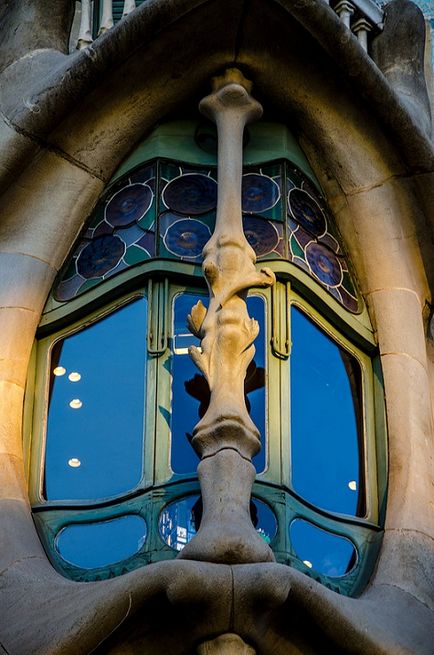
[
  {"x": 259, "y": 192},
  {"x": 260, "y": 234},
  {"x": 192, "y": 193},
  {"x": 186, "y": 237},
  {"x": 307, "y": 212},
  {"x": 100, "y": 256},
  {"x": 128, "y": 205},
  {"x": 324, "y": 264}
]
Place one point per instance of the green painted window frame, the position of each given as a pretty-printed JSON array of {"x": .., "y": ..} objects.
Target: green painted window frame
[
  {"x": 160, "y": 280},
  {"x": 159, "y": 485}
]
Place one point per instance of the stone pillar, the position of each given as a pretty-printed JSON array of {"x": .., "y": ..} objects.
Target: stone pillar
[
  {"x": 226, "y": 438},
  {"x": 345, "y": 10}
]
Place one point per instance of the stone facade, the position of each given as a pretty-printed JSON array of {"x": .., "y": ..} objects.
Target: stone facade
[{"x": 67, "y": 121}]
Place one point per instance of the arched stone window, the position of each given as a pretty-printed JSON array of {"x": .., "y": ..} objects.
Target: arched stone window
[{"x": 113, "y": 474}]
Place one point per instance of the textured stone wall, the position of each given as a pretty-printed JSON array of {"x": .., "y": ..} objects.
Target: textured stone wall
[{"x": 66, "y": 123}]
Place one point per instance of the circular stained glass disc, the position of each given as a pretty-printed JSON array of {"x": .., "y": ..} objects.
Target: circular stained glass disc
[
  {"x": 258, "y": 192},
  {"x": 261, "y": 235},
  {"x": 324, "y": 264},
  {"x": 307, "y": 212},
  {"x": 193, "y": 193},
  {"x": 128, "y": 205},
  {"x": 100, "y": 256},
  {"x": 186, "y": 237}
]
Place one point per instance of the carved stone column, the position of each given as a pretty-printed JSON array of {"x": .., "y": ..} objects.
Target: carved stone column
[{"x": 226, "y": 438}]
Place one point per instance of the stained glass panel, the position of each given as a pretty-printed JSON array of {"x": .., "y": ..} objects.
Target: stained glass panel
[
  {"x": 181, "y": 200},
  {"x": 313, "y": 241},
  {"x": 119, "y": 234}
]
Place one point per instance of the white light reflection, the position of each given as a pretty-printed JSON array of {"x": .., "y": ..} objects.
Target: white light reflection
[
  {"x": 76, "y": 403},
  {"x": 307, "y": 563},
  {"x": 74, "y": 462},
  {"x": 352, "y": 485},
  {"x": 74, "y": 376},
  {"x": 59, "y": 370}
]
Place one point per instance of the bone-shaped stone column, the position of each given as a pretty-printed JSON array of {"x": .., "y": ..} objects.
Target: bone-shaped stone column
[{"x": 226, "y": 438}]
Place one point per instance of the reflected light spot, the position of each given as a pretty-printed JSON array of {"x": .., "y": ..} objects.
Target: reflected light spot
[
  {"x": 307, "y": 563},
  {"x": 59, "y": 370},
  {"x": 74, "y": 462},
  {"x": 76, "y": 403},
  {"x": 74, "y": 377},
  {"x": 352, "y": 485}
]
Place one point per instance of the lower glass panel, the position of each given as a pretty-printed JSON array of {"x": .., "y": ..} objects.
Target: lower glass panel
[
  {"x": 326, "y": 420},
  {"x": 180, "y": 520},
  {"x": 323, "y": 551},
  {"x": 94, "y": 446},
  {"x": 93, "y": 545}
]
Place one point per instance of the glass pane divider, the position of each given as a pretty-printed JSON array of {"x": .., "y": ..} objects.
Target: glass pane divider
[{"x": 280, "y": 335}]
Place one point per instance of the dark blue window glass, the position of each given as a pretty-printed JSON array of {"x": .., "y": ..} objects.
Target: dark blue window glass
[
  {"x": 321, "y": 550},
  {"x": 91, "y": 545},
  {"x": 95, "y": 427},
  {"x": 179, "y": 521},
  {"x": 263, "y": 519},
  {"x": 326, "y": 420},
  {"x": 190, "y": 392}
]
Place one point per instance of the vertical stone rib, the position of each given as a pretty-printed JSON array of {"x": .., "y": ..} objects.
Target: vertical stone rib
[{"x": 226, "y": 438}]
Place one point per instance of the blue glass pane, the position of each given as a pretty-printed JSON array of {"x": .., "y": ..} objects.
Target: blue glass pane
[
  {"x": 325, "y": 420},
  {"x": 100, "y": 256},
  {"x": 255, "y": 379},
  {"x": 324, "y": 264},
  {"x": 179, "y": 521},
  {"x": 186, "y": 237},
  {"x": 321, "y": 550},
  {"x": 259, "y": 192},
  {"x": 190, "y": 392},
  {"x": 307, "y": 212},
  {"x": 91, "y": 545},
  {"x": 96, "y": 411},
  {"x": 191, "y": 193},
  {"x": 263, "y": 519},
  {"x": 128, "y": 205},
  {"x": 262, "y": 235}
]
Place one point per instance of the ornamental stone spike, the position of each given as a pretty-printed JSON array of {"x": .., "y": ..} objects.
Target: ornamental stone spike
[{"x": 226, "y": 437}]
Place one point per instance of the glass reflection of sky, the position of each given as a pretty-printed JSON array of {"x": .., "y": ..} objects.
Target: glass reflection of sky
[
  {"x": 323, "y": 551},
  {"x": 190, "y": 394},
  {"x": 91, "y": 545},
  {"x": 106, "y": 432},
  {"x": 179, "y": 521},
  {"x": 324, "y": 430}
]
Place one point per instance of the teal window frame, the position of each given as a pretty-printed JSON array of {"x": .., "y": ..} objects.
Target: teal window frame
[{"x": 161, "y": 280}]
